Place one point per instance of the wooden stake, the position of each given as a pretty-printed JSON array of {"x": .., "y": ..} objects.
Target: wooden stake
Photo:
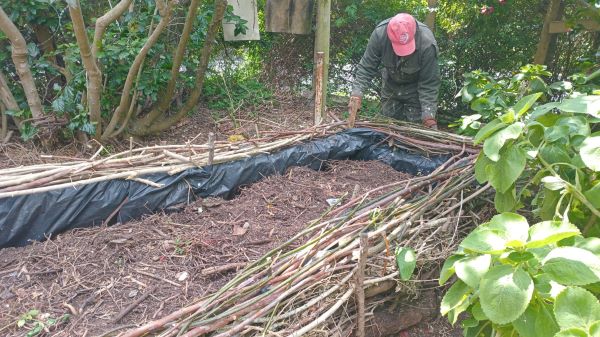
[
  {"x": 319, "y": 88},
  {"x": 430, "y": 19},
  {"x": 322, "y": 43},
  {"x": 352, "y": 111},
  {"x": 555, "y": 9},
  {"x": 360, "y": 282},
  {"x": 211, "y": 148}
]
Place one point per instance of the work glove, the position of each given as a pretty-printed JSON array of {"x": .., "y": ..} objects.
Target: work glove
[
  {"x": 430, "y": 123},
  {"x": 357, "y": 99}
]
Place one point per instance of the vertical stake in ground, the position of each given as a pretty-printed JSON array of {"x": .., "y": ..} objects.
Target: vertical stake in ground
[
  {"x": 322, "y": 41},
  {"x": 211, "y": 148},
  {"x": 352, "y": 111},
  {"x": 319, "y": 61},
  {"x": 360, "y": 281}
]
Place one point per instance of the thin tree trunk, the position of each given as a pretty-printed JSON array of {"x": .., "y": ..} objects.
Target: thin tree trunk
[
  {"x": 19, "y": 57},
  {"x": 163, "y": 124},
  {"x": 4, "y": 122},
  {"x": 94, "y": 76},
  {"x": 104, "y": 21},
  {"x": 44, "y": 38},
  {"x": 123, "y": 107},
  {"x": 165, "y": 99}
]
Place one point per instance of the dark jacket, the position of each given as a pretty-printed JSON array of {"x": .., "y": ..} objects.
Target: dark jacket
[{"x": 414, "y": 79}]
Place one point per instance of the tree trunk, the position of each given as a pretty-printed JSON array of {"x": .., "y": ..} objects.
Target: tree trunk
[
  {"x": 94, "y": 76},
  {"x": 123, "y": 107},
  {"x": 44, "y": 38},
  {"x": 103, "y": 22},
  {"x": 165, "y": 100},
  {"x": 547, "y": 43},
  {"x": 163, "y": 124},
  {"x": 19, "y": 57}
]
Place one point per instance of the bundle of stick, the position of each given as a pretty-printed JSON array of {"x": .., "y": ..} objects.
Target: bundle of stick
[
  {"x": 318, "y": 280},
  {"x": 172, "y": 159}
]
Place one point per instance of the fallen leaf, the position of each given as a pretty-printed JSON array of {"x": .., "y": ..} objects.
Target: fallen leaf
[
  {"x": 133, "y": 293},
  {"x": 241, "y": 230},
  {"x": 182, "y": 276}
]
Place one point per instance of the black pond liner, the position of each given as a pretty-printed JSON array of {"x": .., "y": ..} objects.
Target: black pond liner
[{"x": 37, "y": 216}]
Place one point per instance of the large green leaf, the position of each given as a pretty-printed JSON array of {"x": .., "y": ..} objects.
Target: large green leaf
[
  {"x": 508, "y": 169},
  {"x": 553, "y": 153},
  {"x": 590, "y": 152},
  {"x": 448, "y": 268},
  {"x": 573, "y": 332},
  {"x": 537, "y": 320},
  {"x": 595, "y": 329},
  {"x": 505, "y": 293},
  {"x": 488, "y": 130},
  {"x": 478, "y": 313},
  {"x": 593, "y": 195},
  {"x": 572, "y": 266},
  {"x": 406, "y": 260},
  {"x": 591, "y": 244},
  {"x": 576, "y": 308},
  {"x": 578, "y": 125},
  {"x": 457, "y": 294},
  {"x": 556, "y": 132},
  {"x": 585, "y": 104},
  {"x": 547, "y": 232},
  {"x": 514, "y": 227},
  {"x": 484, "y": 241},
  {"x": 481, "y": 168},
  {"x": 483, "y": 329},
  {"x": 472, "y": 269},
  {"x": 493, "y": 145},
  {"x": 549, "y": 202},
  {"x": 507, "y": 201},
  {"x": 526, "y": 103},
  {"x": 554, "y": 183}
]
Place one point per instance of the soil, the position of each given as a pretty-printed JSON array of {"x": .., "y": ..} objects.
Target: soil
[{"x": 168, "y": 260}]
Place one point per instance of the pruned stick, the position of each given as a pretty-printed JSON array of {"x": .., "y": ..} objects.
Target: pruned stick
[
  {"x": 134, "y": 304},
  {"x": 223, "y": 268},
  {"x": 360, "y": 281}
]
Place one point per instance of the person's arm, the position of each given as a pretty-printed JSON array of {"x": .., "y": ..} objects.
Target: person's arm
[
  {"x": 429, "y": 83},
  {"x": 369, "y": 65}
]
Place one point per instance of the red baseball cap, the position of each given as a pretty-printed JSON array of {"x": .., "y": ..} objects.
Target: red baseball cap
[{"x": 401, "y": 31}]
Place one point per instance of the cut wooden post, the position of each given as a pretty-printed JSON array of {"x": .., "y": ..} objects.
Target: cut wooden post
[
  {"x": 546, "y": 38},
  {"x": 319, "y": 88},
  {"x": 322, "y": 44},
  {"x": 352, "y": 111},
  {"x": 430, "y": 19},
  {"x": 211, "y": 148},
  {"x": 360, "y": 281}
]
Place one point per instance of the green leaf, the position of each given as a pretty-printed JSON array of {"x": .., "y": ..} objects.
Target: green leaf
[
  {"x": 548, "y": 207},
  {"x": 519, "y": 257},
  {"x": 508, "y": 169},
  {"x": 572, "y": 266},
  {"x": 585, "y": 104},
  {"x": 555, "y": 154},
  {"x": 455, "y": 313},
  {"x": 406, "y": 261},
  {"x": 478, "y": 313},
  {"x": 457, "y": 294},
  {"x": 484, "y": 329},
  {"x": 590, "y": 152},
  {"x": 21, "y": 323},
  {"x": 514, "y": 227},
  {"x": 573, "y": 332},
  {"x": 472, "y": 269},
  {"x": 554, "y": 183},
  {"x": 593, "y": 196},
  {"x": 493, "y": 145},
  {"x": 537, "y": 320},
  {"x": 557, "y": 132},
  {"x": 507, "y": 201},
  {"x": 578, "y": 125},
  {"x": 591, "y": 244},
  {"x": 595, "y": 329},
  {"x": 576, "y": 308},
  {"x": 548, "y": 232},
  {"x": 505, "y": 293},
  {"x": 526, "y": 103},
  {"x": 481, "y": 168},
  {"x": 488, "y": 130},
  {"x": 448, "y": 268},
  {"x": 484, "y": 241}
]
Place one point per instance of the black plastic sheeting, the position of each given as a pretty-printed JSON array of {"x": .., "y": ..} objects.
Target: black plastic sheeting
[{"x": 38, "y": 216}]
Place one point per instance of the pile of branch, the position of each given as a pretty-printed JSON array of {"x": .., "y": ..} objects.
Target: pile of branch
[
  {"x": 136, "y": 163},
  {"x": 345, "y": 255}
]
